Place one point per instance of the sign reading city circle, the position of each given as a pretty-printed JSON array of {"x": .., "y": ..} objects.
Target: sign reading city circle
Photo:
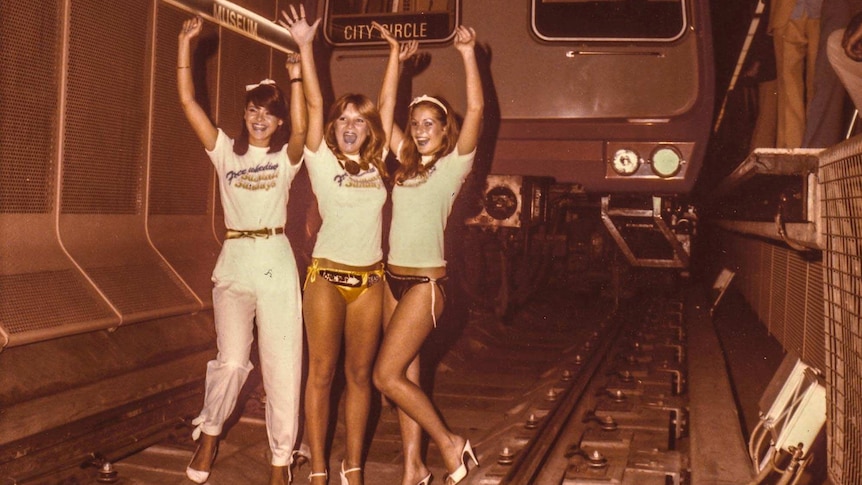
[{"x": 357, "y": 29}]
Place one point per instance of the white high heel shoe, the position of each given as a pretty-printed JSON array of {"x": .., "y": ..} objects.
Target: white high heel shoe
[
  {"x": 343, "y": 473},
  {"x": 199, "y": 476},
  {"x": 426, "y": 480},
  {"x": 461, "y": 472},
  {"x": 324, "y": 474}
]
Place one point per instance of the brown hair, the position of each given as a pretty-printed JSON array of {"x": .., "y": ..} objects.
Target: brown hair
[
  {"x": 270, "y": 97},
  {"x": 409, "y": 156}
]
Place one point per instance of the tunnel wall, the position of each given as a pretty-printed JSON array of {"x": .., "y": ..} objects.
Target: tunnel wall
[{"x": 109, "y": 221}]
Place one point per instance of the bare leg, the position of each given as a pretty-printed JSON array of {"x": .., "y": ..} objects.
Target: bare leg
[
  {"x": 324, "y": 311},
  {"x": 411, "y": 433},
  {"x": 205, "y": 452},
  {"x": 362, "y": 336},
  {"x": 411, "y": 437},
  {"x": 279, "y": 475},
  {"x": 405, "y": 333}
]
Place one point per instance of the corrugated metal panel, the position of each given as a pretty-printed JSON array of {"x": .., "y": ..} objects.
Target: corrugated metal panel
[
  {"x": 798, "y": 276},
  {"x": 784, "y": 288},
  {"x": 814, "y": 350},
  {"x": 748, "y": 256},
  {"x": 778, "y": 294},
  {"x": 764, "y": 280}
]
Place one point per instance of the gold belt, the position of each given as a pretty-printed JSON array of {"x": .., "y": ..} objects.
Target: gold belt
[{"x": 265, "y": 232}]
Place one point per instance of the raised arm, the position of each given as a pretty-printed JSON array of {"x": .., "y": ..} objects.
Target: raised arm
[
  {"x": 201, "y": 124},
  {"x": 298, "y": 115},
  {"x": 471, "y": 128},
  {"x": 303, "y": 34},
  {"x": 389, "y": 88}
]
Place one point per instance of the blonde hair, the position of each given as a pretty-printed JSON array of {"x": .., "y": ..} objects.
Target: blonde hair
[{"x": 371, "y": 151}]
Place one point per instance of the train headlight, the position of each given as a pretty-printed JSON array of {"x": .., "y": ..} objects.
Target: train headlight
[
  {"x": 625, "y": 161},
  {"x": 666, "y": 161},
  {"x": 501, "y": 202}
]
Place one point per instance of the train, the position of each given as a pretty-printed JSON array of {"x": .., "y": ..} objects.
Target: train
[
  {"x": 607, "y": 116},
  {"x": 599, "y": 116}
]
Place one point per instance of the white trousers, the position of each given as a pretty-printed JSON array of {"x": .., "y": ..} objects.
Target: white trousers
[
  {"x": 847, "y": 70},
  {"x": 256, "y": 281}
]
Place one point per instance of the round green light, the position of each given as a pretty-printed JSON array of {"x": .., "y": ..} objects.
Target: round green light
[{"x": 666, "y": 162}]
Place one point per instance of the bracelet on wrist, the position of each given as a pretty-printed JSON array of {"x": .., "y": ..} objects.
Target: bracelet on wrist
[
  {"x": 296, "y": 80},
  {"x": 183, "y": 67}
]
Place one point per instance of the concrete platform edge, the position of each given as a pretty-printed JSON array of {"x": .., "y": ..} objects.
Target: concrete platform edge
[{"x": 718, "y": 449}]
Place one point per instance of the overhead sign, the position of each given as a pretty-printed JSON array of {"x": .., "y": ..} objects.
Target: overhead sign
[
  {"x": 357, "y": 29},
  {"x": 240, "y": 20}
]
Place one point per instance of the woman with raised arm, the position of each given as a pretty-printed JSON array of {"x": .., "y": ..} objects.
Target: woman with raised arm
[
  {"x": 435, "y": 159},
  {"x": 255, "y": 278},
  {"x": 343, "y": 300}
]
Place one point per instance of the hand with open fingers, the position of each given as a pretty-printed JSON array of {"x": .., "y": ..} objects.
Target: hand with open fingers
[
  {"x": 406, "y": 49},
  {"x": 295, "y": 22}
]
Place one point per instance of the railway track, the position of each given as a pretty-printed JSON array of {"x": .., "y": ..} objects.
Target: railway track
[{"x": 569, "y": 391}]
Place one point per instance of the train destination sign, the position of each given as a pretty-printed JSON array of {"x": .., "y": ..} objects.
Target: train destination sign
[
  {"x": 357, "y": 29},
  {"x": 241, "y": 21}
]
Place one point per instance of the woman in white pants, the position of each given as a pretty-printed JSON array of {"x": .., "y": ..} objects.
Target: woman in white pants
[{"x": 255, "y": 278}]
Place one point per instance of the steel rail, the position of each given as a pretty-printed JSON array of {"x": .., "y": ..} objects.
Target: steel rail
[{"x": 528, "y": 463}]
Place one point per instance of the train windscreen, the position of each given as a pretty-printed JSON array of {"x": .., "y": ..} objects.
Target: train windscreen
[{"x": 609, "y": 20}]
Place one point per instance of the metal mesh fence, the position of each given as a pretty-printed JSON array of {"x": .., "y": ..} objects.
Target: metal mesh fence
[
  {"x": 841, "y": 179},
  {"x": 29, "y": 43}
]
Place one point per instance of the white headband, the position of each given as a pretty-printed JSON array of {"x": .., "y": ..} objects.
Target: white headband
[
  {"x": 249, "y": 87},
  {"x": 430, "y": 100}
]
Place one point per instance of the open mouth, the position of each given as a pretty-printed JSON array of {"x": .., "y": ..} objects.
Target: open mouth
[{"x": 350, "y": 138}]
